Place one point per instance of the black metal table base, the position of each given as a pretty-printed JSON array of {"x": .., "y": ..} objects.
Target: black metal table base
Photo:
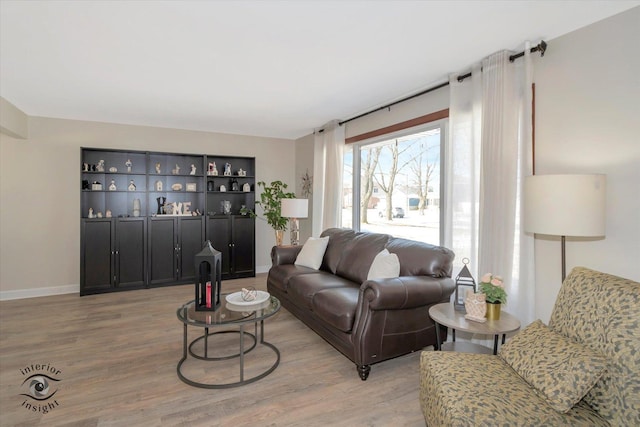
[{"x": 187, "y": 349}]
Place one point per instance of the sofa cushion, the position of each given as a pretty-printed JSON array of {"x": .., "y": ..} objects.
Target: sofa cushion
[
  {"x": 359, "y": 254},
  {"x": 339, "y": 238},
  {"x": 463, "y": 389},
  {"x": 280, "y": 275},
  {"x": 337, "y": 306},
  {"x": 422, "y": 259},
  {"x": 560, "y": 370},
  {"x": 312, "y": 252},
  {"x": 303, "y": 287},
  {"x": 384, "y": 266}
]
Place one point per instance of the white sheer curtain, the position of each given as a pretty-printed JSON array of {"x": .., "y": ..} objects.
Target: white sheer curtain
[
  {"x": 489, "y": 155},
  {"x": 327, "y": 177}
]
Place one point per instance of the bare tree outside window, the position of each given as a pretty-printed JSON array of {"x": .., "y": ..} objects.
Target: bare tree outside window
[{"x": 399, "y": 185}]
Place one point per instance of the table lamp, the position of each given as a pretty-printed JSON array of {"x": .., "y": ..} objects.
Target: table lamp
[
  {"x": 565, "y": 205},
  {"x": 294, "y": 209}
]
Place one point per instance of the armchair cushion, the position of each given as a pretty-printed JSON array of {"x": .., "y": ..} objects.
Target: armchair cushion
[
  {"x": 560, "y": 370},
  {"x": 463, "y": 389}
]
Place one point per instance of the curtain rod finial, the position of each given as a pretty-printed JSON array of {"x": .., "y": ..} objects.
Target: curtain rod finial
[{"x": 542, "y": 47}]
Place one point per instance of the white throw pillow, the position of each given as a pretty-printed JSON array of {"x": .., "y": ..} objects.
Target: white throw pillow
[
  {"x": 384, "y": 266},
  {"x": 312, "y": 252}
]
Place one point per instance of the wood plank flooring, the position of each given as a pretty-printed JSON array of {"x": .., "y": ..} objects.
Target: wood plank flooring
[{"x": 117, "y": 356}]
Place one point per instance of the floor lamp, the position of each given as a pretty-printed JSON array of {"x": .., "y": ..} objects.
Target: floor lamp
[
  {"x": 565, "y": 205},
  {"x": 294, "y": 209}
]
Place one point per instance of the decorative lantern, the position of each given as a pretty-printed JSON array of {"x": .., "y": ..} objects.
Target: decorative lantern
[
  {"x": 208, "y": 263},
  {"x": 463, "y": 280}
]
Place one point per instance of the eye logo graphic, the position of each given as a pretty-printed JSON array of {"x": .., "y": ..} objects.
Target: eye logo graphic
[{"x": 40, "y": 386}]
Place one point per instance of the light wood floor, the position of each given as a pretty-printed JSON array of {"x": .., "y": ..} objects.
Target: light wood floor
[{"x": 117, "y": 356}]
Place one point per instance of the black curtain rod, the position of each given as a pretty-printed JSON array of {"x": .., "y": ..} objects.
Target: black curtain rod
[{"x": 541, "y": 47}]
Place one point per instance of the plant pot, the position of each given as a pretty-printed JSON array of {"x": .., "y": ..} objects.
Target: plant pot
[
  {"x": 279, "y": 237},
  {"x": 493, "y": 310}
]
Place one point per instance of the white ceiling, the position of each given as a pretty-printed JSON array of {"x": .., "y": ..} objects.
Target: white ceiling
[{"x": 265, "y": 68}]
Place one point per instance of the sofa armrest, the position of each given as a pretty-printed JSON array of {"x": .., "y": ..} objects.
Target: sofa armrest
[
  {"x": 281, "y": 255},
  {"x": 406, "y": 292}
]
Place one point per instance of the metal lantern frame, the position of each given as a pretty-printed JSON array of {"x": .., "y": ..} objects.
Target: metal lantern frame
[
  {"x": 464, "y": 279},
  {"x": 208, "y": 283}
]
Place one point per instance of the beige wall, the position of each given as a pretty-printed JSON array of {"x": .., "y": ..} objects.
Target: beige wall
[
  {"x": 588, "y": 121},
  {"x": 40, "y": 192},
  {"x": 13, "y": 121},
  {"x": 304, "y": 164}
]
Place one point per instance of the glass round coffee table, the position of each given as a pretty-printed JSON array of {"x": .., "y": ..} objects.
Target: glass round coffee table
[{"x": 233, "y": 318}]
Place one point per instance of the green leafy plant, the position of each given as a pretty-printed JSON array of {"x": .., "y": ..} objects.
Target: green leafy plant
[
  {"x": 270, "y": 199},
  {"x": 493, "y": 287}
]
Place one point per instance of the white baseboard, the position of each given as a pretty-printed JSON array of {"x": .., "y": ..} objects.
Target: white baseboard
[{"x": 39, "y": 292}]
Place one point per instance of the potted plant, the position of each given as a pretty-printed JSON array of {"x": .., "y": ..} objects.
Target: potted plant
[
  {"x": 493, "y": 288},
  {"x": 270, "y": 199}
]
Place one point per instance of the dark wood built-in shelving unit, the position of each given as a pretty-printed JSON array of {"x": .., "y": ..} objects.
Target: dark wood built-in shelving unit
[{"x": 151, "y": 246}]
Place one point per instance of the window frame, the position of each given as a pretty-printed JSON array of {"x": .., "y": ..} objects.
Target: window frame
[{"x": 356, "y": 147}]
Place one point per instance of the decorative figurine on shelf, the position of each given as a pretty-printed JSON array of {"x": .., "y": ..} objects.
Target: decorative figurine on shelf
[
  {"x": 176, "y": 171},
  {"x": 136, "y": 207},
  {"x": 158, "y": 167},
  {"x": 161, "y": 201},
  {"x": 210, "y": 186},
  {"x": 112, "y": 186},
  {"x": 227, "y": 169},
  {"x": 100, "y": 166},
  {"x": 85, "y": 167},
  {"x": 246, "y": 187},
  {"x": 132, "y": 186},
  {"x": 176, "y": 187},
  {"x": 225, "y": 207},
  {"x": 212, "y": 170},
  {"x": 128, "y": 164},
  {"x": 99, "y": 215},
  {"x": 193, "y": 170},
  {"x": 158, "y": 185},
  {"x": 85, "y": 184},
  {"x": 186, "y": 208},
  {"x": 109, "y": 214},
  {"x": 113, "y": 169},
  {"x": 242, "y": 172},
  {"x": 223, "y": 188},
  {"x": 234, "y": 185},
  {"x": 91, "y": 214}
]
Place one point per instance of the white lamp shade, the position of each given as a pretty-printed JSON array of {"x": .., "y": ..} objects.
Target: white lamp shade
[
  {"x": 565, "y": 205},
  {"x": 294, "y": 208}
]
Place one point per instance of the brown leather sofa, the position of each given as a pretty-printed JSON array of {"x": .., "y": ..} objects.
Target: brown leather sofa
[{"x": 369, "y": 321}]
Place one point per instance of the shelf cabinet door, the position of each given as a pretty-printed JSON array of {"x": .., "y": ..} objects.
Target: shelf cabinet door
[
  {"x": 219, "y": 234},
  {"x": 243, "y": 246},
  {"x": 163, "y": 263},
  {"x": 234, "y": 237},
  {"x": 190, "y": 242},
  {"x": 131, "y": 252},
  {"x": 97, "y": 256}
]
